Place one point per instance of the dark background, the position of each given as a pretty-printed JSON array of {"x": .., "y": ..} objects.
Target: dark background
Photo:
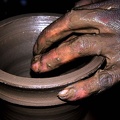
[
  {"x": 103, "y": 106},
  {"x": 10, "y": 8}
]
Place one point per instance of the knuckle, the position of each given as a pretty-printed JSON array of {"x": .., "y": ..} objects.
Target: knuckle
[
  {"x": 105, "y": 80},
  {"x": 71, "y": 16},
  {"x": 84, "y": 45}
]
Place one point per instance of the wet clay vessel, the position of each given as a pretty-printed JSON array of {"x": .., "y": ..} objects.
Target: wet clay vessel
[{"x": 30, "y": 93}]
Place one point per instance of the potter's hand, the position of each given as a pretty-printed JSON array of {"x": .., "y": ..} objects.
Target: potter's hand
[{"x": 99, "y": 24}]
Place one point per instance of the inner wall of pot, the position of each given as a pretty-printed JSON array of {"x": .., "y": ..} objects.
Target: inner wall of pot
[
  {"x": 16, "y": 48},
  {"x": 17, "y": 54}
]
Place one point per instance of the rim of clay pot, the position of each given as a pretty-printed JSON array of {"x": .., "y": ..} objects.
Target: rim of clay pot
[
  {"x": 9, "y": 81},
  {"x": 52, "y": 82}
]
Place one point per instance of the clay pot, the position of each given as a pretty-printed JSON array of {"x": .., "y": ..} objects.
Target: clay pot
[{"x": 32, "y": 94}]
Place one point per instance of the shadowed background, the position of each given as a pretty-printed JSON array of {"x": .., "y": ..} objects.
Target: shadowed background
[{"x": 15, "y": 7}]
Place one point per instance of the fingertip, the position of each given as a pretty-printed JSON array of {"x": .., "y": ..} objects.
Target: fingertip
[
  {"x": 73, "y": 93},
  {"x": 35, "y": 66},
  {"x": 67, "y": 94}
]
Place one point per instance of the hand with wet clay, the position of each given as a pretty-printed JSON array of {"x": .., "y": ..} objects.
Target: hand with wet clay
[{"x": 97, "y": 25}]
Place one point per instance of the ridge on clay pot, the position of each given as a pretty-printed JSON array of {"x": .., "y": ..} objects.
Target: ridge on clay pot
[{"x": 18, "y": 84}]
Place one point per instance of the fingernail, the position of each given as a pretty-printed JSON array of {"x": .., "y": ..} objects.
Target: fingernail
[
  {"x": 66, "y": 93},
  {"x": 63, "y": 92}
]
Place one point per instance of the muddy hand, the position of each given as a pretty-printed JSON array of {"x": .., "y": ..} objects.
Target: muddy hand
[{"x": 100, "y": 24}]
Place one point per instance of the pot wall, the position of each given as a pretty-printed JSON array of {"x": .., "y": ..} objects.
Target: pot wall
[{"x": 62, "y": 112}]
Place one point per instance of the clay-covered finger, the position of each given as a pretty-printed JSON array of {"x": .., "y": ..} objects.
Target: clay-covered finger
[
  {"x": 73, "y": 21},
  {"x": 77, "y": 47},
  {"x": 85, "y": 2},
  {"x": 96, "y": 4},
  {"x": 102, "y": 80}
]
